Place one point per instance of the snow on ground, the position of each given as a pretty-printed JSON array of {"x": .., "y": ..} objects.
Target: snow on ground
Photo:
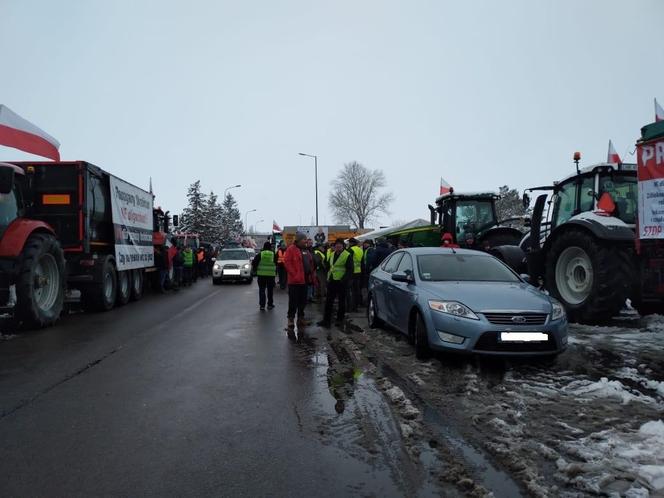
[
  {"x": 605, "y": 398},
  {"x": 589, "y": 423}
]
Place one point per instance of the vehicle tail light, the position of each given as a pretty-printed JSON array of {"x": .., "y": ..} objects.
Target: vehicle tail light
[{"x": 56, "y": 199}]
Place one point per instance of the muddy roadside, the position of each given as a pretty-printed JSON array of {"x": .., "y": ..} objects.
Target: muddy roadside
[{"x": 587, "y": 423}]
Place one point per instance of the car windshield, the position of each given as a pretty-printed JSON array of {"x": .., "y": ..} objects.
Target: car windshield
[
  {"x": 463, "y": 267},
  {"x": 233, "y": 254}
]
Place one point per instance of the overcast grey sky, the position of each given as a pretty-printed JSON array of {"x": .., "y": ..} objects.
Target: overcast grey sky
[{"x": 483, "y": 93}]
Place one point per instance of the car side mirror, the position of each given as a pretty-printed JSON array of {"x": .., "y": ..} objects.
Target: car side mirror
[
  {"x": 526, "y": 278},
  {"x": 401, "y": 276},
  {"x": 6, "y": 179}
]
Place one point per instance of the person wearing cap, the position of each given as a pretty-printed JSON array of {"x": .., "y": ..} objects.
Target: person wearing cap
[
  {"x": 265, "y": 268},
  {"x": 355, "y": 295},
  {"x": 340, "y": 273},
  {"x": 296, "y": 274}
]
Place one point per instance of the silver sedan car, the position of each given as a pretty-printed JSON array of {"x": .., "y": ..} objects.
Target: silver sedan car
[
  {"x": 464, "y": 301},
  {"x": 232, "y": 264}
]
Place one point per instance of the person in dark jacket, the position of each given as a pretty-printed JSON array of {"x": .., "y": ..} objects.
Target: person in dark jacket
[
  {"x": 339, "y": 276},
  {"x": 264, "y": 266},
  {"x": 382, "y": 251}
]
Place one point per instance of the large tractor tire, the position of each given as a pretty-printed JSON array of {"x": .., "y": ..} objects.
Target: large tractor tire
[
  {"x": 102, "y": 295},
  {"x": 591, "y": 279},
  {"x": 502, "y": 236},
  {"x": 40, "y": 285}
]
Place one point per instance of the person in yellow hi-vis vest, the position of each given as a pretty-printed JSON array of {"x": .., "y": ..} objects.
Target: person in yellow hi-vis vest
[
  {"x": 264, "y": 267},
  {"x": 340, "y": 273},
  {"x": 355, "y": 295}
]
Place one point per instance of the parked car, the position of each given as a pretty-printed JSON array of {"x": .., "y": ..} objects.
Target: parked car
[
  {"x": 464, "y": 301},
  {"x": 232, "y": 265}
]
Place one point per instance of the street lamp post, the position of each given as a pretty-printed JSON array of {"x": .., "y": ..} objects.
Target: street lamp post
[
  {"x": 246, "y": 228},
  {"x": 234, "y": 186},
  {"x": 316, "y": 177}
]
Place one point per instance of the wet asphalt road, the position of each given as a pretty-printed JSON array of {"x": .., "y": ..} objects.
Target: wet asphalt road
[{"x": 193, "y": 393}]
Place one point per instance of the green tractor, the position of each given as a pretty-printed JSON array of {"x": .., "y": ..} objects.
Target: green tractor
[{"x": 472, "y": 222}]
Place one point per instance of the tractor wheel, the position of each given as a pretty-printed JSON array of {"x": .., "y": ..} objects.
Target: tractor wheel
[
  {"x": 501, "y": 238},
  {"x": 101, "y": 296},
  {"x": 124, "y": 288},
  {"x": 40, "y": 285},
  {"x": 592, "y": 280}
]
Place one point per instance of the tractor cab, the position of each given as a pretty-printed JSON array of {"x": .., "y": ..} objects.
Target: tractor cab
[
  {"x": 11, "y": 205},
  {"x": 470, "y": 218},
  {"x": 606, "y": 190}
]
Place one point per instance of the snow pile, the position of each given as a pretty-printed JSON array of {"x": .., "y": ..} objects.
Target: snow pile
[
  {"x": 613, "y": 460},
  {"x": 636, "y": 376},
  {"x": 605, "y": 388}
]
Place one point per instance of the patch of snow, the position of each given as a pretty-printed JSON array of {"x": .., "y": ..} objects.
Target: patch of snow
[
  {"x": 636, "y": 456},
  {"x": 605, "y": 388},
  {"x": 633, "y": 374}
]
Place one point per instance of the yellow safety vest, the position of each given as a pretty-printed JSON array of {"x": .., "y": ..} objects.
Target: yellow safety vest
[
  {"x": 357, "y": 259},
  {"x": 338, "y": 267}
]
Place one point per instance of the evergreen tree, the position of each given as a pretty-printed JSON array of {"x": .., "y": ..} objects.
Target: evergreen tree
[
  {"x": 231, "y": 225},
  {"x": 193, "y": 216},
  {"x": 509, "y": 205},
  {"x": 214, "y": 214}
]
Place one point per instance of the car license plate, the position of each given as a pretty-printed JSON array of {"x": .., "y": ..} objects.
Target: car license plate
[
  {"x": 231, "y": 272},
  {"x": 523, "y": 337}
]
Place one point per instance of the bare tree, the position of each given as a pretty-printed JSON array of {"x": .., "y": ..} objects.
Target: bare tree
[{"x": 356, "y": 197}]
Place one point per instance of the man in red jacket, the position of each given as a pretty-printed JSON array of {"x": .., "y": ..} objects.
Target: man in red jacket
[{"x": 296, "y": 269}]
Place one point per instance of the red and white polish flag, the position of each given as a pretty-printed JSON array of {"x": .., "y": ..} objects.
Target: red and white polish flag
[
  {"x": 445, "y": 188},
  {"x": 275, "y": 227},
  {"x": 612, "y": 156},
  {"x": 659, "y": 112},
  {"x": 21, "y": 134}
]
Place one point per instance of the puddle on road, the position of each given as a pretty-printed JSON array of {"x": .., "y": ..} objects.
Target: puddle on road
[{"x": 348, "y": 413}]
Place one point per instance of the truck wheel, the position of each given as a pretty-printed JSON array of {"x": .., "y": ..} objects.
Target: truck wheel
[
  {"x": 137, "y": 283},
  {"x": 124, "y": 288},
  {"x": 101, "y": 296},
  {"x": 40, "y": 285},
  {"x": 591, "y": 280}
]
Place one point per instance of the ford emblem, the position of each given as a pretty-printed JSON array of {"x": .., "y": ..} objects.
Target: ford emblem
[{"x": 519, "y": 319}]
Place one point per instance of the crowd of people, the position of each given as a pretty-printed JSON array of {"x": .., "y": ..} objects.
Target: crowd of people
[
  {"x": 180, "y": 265},
  {"x": 315, "y": 272}
]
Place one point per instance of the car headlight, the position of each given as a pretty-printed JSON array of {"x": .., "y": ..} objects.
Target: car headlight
[
  {"x": 557, "y": 310},
  {"x": 246, "y": 266},
  {"x": 453, "y": 308},
  {"x": 216, "y": 267}
]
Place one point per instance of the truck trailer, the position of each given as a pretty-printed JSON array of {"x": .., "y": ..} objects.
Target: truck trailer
[{"x": 71, "y": 225}]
